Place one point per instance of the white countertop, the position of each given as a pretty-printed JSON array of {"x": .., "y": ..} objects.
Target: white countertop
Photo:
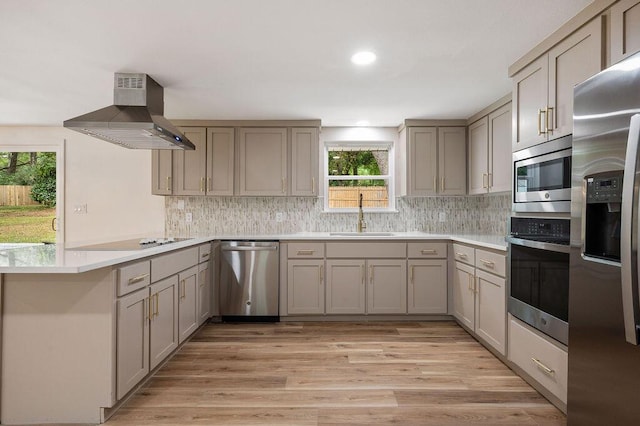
[{"x": 54, "y": 258}]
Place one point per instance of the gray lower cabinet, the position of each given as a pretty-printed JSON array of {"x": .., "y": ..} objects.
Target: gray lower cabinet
[
  {"x": 163, "y": 330},
  {"x": 305, "y": 286},
  {"x": 345, "y": 286},
  {"x": 387, "y": 291},
  {"x": 427, "y": 286},
  {"x": 188, "y": 303},
  {"x": 162, "y": 302},
  {"x": 204, "y": 292},
  {"x": 132, "y": 340}
]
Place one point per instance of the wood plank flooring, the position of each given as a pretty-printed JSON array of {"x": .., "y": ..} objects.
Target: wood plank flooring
[{"x": 397, "y": 373}]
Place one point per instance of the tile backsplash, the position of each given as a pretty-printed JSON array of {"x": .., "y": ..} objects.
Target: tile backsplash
[{"x": 485, "y": 214}]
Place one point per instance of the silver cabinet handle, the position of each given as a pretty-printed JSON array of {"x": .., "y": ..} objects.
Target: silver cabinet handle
[
  {"x": 485, "y": 176},
  {"x": 305, "y": 252},
  {"x": 548, "y": 116},
  {"x": 546, "y": 370},
  {"x": 168, "y": 183},
  {"x": 137, "y": 279},
  {"x": 429, "y": 251}
]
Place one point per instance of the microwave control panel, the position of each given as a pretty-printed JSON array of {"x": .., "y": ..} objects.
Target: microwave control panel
[{"x": 604, "y": 187}]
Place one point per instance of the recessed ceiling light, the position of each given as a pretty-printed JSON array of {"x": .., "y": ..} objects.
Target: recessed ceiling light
[
  {"x": 363, "y": 58},
  {"x": 362, "y": 123}
]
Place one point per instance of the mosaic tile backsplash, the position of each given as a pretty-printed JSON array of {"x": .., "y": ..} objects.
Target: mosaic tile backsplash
[{"x": 485, "y": 214}]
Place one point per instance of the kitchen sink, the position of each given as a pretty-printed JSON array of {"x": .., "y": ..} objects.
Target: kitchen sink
[{"x": 361, "y": 234}]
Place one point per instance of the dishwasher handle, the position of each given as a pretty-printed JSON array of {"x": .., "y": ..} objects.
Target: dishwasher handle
[{"x": 247, "y": 248}]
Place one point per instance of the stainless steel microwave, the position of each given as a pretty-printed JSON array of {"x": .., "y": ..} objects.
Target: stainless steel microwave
[{"x": 542, "y": 177}]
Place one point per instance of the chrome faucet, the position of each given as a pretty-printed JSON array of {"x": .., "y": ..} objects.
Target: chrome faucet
[{"x": 362, "y": 225}]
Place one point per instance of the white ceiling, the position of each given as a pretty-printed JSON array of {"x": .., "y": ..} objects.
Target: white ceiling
[{"x": 268, "y": 59}]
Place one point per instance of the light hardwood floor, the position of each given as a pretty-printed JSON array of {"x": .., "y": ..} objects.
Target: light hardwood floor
[{"x": 397, "y": 373}]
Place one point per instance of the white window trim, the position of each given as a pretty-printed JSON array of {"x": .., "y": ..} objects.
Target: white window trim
[{"x": 390, "y": 178}]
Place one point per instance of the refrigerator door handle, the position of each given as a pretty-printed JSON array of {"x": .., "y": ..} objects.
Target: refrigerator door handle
[{"x": 629, "y": 233}]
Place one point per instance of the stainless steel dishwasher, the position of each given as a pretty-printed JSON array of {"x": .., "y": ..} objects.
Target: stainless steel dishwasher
[{"x": 249, "y": 281}]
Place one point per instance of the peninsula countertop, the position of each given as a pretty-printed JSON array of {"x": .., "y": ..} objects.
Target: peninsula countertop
[{"x": 55, "y": 258}]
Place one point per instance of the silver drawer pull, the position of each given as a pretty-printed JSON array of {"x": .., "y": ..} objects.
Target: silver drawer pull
[
  {"x": 428, "y": 251},
  {"x": 138, "y": 279},
  {"x": 546, "y": 370},
  {"x": 462, "y": 255},
  {"x": 305, "y": 252},
  {"x": 487, "y": 263}
]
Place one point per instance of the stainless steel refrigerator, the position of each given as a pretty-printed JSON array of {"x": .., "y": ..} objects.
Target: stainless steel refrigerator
[{"x": 604, "y": 356}]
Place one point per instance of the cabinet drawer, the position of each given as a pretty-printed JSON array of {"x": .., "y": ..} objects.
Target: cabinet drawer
[
  {"x": 168, "y": 264},
  {"x": 427, "y": 250},
  {"x": 305, "y": 250},
  {"x": 464, "y": 254},
  {"x": 133, "y": 277},
  {"x": 491, "y": 262},
  {"x": 204, "y": 252},
  {"x": 366, "y": 250},
  {"x": 541, "y": 359}
]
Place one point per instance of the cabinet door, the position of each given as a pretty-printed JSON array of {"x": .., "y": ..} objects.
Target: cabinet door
[
  {"x": 163, "y": 331},
  {"x": 345, "y": 287},
  {"x": 190, "y": 166},
  {"x": 304, "y": 161},
  {"x": 188, "y": 303},
  {"x": 204, "y": 292},
  {"x": 220, "y": 160},
  {"x": 422, "y": 161},
  {"x": 263, "y": 161},
  {"x": 427, "y": 287},
  {"x": 387, "y": 293},
  {"x": 572, "y": 61},
  {"x": 463, "y": 294},
  {"x": 161, "y": 169},
  {"x": 133, "y": 340},
  {"x": 478, "y": 161},
  {"x": 452, "y": 160},
  {"x": 500, "y": 158},
  {"x": 491, "y": 310},
  {"x": 529, "y": 97},
  {"x": 305, "y": 286},
  {"x": 625, "y": 29}
]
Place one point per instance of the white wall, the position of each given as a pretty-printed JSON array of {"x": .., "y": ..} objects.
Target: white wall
[{"x": 114, "y": 183}]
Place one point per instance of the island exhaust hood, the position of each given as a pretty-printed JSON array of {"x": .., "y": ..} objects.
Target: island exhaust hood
[{"x": 135, "y": 120}]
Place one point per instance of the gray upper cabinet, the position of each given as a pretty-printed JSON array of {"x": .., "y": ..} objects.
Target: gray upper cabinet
[
  {"x": 162, "y": 172},
  {"x": 262, "y": 156},
  {"x": 435, "y": 161},
  {"x": 304, "y": 161},
  {"x": 452, "y": 160},
  {"x": 543, "y": 90},
  {"x": 220, "y": 160},
  {"x": 190, "y": 167},
  {"x": 625, "y": 29},
  {"x": 490, "y": 153}
]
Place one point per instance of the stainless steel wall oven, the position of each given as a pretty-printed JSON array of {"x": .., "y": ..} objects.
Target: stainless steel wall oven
[
  {"x": 542, "y": 177},
  {"x": 539, "y": 274}
]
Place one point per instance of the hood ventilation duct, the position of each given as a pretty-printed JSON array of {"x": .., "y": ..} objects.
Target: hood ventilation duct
[{"x": 135, "y": 120}]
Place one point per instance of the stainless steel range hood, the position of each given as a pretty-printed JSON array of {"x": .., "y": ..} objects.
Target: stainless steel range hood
[{"x": 135, "y": 120}]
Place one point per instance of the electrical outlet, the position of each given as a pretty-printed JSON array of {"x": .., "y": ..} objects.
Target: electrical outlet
[
  {"x": 188, "y": 217},
  {"x": 279, "y": 217},
  {"x": 442, "y": 217},
  {"x": 80, "y": 209}
]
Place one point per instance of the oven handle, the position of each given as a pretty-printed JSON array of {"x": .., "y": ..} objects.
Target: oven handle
[{"x": 538, "y": 244}]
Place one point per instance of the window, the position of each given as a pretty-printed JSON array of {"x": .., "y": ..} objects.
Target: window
[{"x": 354, "y": 168}]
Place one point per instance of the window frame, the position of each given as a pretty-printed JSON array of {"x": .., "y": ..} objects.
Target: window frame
[{"x": 389, "y": 178}]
